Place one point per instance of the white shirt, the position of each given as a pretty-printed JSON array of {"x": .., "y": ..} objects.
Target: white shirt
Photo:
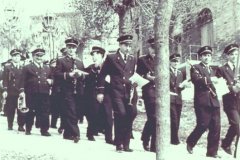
[
  {"x": 123, "y": 56},
  {"x": 230, "y": 65}
]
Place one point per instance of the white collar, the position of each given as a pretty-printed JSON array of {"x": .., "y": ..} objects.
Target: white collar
[
  {"x": 37, "y": 64},
  {"x": 230, "y": 65},
  {"x": 122, "y": 54}
]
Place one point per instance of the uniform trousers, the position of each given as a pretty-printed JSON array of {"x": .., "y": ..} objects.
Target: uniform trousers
[
  {"x": 149, "y": 130},
  {"x": 124, "y": 115},
  {"x": 175, "y": 114},
  {"x": 70, "y": 117},
  {"x": 207, "y": 118},
  {"x": 11, "y": 106},
  {"x": 39, "y": 106}
]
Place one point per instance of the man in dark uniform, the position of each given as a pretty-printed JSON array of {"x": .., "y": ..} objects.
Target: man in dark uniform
[
  {"x": 145, "y": 68},
  {"x": 11, "y": 85},
  {"x": 69, "y": 73},
  {"x": 231, "y": 100},
  {"x": 96, "y": 112},
  {"x": 120, "y": 67},
  {"x": 36, "y": 81},
  {"x": 206, "y": 104},
  {"x": 177, "y": 84}
]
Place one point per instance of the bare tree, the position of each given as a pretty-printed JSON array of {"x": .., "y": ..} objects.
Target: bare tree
[{"x": 161, "y": 28}]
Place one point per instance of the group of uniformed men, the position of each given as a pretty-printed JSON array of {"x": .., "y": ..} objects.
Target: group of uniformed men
[{"x": 73, "y": 91}]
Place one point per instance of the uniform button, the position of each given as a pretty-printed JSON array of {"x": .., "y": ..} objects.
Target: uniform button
[
  {"x": 154, "y": 86},
  {"x": 130, "y": 71},
  {"x": 14, "y": 80},
  {"x": 124, "y": 85},
  {"x": 39, "y": 82},
  {"x": 96, "y": 81},
  {"x": 123, "y": 77},
  {"x": 38, "y": 76},
  {"x": 14, "y": 85}
]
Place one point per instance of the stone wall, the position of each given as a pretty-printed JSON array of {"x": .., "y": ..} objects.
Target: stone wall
[{"x": 226, "y": 24}]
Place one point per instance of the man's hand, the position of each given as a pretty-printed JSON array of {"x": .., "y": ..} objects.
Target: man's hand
[
  {"x": 134, "y": 84},
  {"x": 184, "y": 84},
  {"x": 236, "y": 88},
  {"x": 4, "y": 94},
  {"x": 149, "y": 77},
  {"x": 50, "y": 81},
  {"x": 100, "y": 97},
  {"x": 72, "y": 74}
]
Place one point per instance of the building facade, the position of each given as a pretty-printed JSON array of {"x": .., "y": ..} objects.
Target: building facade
[{"x": 206, "y": 22}]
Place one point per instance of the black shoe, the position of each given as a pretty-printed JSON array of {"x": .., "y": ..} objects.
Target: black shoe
[
  {"x": 10, "y": 128},
  {"x": 68, "y": 138},
  {"x": 119, "y": 148},
  {"x": 175, "y": 142},
  {"x": 146, "y": 146},
  {"x": 110, "y": 141},
  {"x": 189, "y": 149},
  {"x": 27, "y": 133},
  {"x": 153, "y": 150},
  {"x": 76, "y": 139},
  {"x": 227, "y": 149},
  {"x": 21, "y": 129},
  {"x": 55, "y": 127},
  {"x": 91, "y": 138},
  {"x": 213, "y": 156},
  {"x": 60, "y": 130},
  {"x": 128, "y": 150},
  {"x": 47, "y": 134}
]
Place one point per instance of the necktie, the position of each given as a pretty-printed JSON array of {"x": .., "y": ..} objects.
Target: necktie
[
  {"x": 233, "y": 68},
  {"x": 208, "y": 69},
  {"x": 125, "y": 57}
]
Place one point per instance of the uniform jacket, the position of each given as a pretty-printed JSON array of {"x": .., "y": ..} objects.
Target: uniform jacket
[
  {"x": 34, "y": 79},
  {"x": 11, "y": 79},
  {"x": 201, "y": 79},
  {"x": 230, "y": 100},
  {"x": 175, "y": 80},
  {"x": 145, "y": 65},
  {"x": 119, "y": 73},
  {"x": 63, "y": 67}
]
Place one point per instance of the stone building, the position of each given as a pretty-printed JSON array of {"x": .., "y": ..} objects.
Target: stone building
[{"x": 204, "y": 22}]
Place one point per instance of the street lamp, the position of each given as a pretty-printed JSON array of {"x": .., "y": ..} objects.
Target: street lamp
[{"x": 48, "y": 23}]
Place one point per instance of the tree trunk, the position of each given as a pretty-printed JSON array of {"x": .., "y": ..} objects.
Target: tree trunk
[
  {"x": 125, "y": 21},
  {"x": 161, "y": 29}
]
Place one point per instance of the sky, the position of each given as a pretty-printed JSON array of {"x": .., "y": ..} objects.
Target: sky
[{"x": 38, "y": 7}]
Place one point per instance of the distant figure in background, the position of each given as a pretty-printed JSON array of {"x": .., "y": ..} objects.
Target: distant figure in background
[
  {"x": 206, "y": 104},
  {"x": 177, "y": 84},
  {"x": 145, "y": 68},
  {"x": 231, "y": 100},
  {"x": 11, "y": 89}
]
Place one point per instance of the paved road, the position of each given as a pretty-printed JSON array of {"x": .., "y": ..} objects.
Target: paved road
[{"x": 18, "y": 146}]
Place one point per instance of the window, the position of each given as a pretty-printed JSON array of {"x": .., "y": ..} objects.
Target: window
[{"x": 205, "y": 22}]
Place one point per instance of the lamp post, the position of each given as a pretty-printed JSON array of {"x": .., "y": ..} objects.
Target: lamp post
[{"x": 49, "y": 27}]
